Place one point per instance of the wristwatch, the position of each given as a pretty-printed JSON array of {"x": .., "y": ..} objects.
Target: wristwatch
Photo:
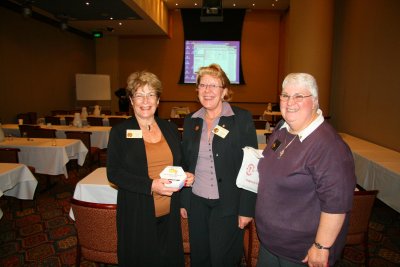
[{"x": 319, "y": 246}]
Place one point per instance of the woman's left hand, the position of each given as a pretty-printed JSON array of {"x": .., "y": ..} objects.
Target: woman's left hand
[
  {"x": 189, "y": 179},
  {"x": 243, "y": 221},
  {"x": 316, "y": 257}
]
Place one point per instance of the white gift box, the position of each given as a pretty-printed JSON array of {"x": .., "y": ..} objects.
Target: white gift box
[{"x": 175, "y": 174}]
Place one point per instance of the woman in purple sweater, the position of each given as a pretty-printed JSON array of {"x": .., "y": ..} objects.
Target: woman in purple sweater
[{"x": 306, "y": 183}]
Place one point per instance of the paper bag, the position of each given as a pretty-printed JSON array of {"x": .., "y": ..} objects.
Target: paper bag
[{"x": 248, "y": 174}]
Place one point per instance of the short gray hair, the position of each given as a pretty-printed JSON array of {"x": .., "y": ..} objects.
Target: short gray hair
[{"x": 302, "y": 79}]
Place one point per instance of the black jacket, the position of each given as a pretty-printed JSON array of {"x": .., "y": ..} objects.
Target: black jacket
[
  {"x": 136, "y": 221},
  {"x": 228, "y": 156}
]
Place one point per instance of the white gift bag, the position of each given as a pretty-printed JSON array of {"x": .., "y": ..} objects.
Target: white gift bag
[{"x": 248, "y": 174}]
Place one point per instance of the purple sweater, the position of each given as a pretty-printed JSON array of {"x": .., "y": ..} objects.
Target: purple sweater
[{"x": 311, "y": 176}]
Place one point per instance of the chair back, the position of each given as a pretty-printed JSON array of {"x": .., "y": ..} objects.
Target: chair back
[
  {"x": 97, "y": 231},
  {"x": 115, "y": 120},
  {"x": 177, "y": 121},
  {"x": 24, "y": 128},
  {"x": 28, "y": 117},
  {"x": 81, "y": 135},
  {"x": 41, "y": 133},
  {"x": 68, "y": 120},
  {"x": 53, "y": 120},
  {"x": 260, "y": 124},
  {"x": 95, "y": 121},
  {"x": 9, "y": 155},
  {"x": 59, "y": 112},
  {"x": 122, "y": 113},
  {"x": 185, "y": 235},
  {"x": 360, "y": 214},
  {"x": 251, "y": 245}
]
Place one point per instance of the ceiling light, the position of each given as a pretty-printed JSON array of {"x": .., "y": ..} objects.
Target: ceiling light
[
  {"x": 64, "y": 25},
  {"x": 26, "y": 11}
]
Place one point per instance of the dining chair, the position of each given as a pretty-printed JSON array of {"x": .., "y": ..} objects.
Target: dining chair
[
  {"x": 94, "y": 152},
  {"x": 97, "y": 231},
  {"x": 10, "y": 155},
  {"x": 68, "y": 120},
  {"x": 259, "y": 124},
  {"x": 53, "y": 120},
  {"x": 115, "y": 120},
  {"x": 122, "y": 113},
  {"x": 95, "y": 121},
  {"x": 185, "y": 235},
  {"x": 25, "y": 117},
  {"x": 360, "y": 214},
  {"x": 24, "y": 128},
  {"x": 251, "y": 245},
  {"x": 41, "y": 133},
  {"x": 59, "y": 112},
  {"x": 177, "y": 121}
]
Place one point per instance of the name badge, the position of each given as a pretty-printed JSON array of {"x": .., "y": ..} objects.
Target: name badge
[
  {"x": 220, "y": 131},
  {"x": 276, "y": 145},
  {"x": 134, "y": 134}
]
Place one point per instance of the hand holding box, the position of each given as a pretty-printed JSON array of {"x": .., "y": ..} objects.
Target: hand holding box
[{"x": 175, "y": 174}]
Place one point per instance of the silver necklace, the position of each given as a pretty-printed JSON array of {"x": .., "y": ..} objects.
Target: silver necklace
[{"x": 283, "y": 150}]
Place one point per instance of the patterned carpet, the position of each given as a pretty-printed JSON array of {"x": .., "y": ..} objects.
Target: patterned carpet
[{"x": 40, "y": 232}]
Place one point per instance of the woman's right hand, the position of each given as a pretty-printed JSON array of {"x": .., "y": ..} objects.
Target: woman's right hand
[{"x": 158, "y": 186}]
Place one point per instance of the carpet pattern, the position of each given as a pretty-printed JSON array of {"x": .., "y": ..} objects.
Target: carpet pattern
[{"x": 39, "y": 232}]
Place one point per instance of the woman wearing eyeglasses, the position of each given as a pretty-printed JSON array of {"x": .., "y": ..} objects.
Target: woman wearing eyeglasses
[
  {"x": 306, "y": 184},
  {"x": 213, "y": 138},
  {"x": 148, "y": 215}
]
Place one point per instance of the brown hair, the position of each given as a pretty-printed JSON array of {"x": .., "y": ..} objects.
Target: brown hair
[{"x": 141, "y": 78}]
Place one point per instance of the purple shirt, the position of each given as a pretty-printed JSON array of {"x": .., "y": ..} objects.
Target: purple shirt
[
  {"x": 314, "y": 174},
  {"x": 206, "y": 185}
]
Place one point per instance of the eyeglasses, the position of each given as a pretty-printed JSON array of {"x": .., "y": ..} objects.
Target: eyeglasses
[
  {"x": 203, "y": 86},
  {"x": 297, "y": 98},
  {"x": 150, "y": 96}
]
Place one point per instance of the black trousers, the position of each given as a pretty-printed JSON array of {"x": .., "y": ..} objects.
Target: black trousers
[{"x": 215, "y": 241}]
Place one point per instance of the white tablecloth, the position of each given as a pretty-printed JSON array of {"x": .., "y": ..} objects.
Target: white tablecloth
[
  {"x": 261, "y": 136},
  {"x": 46, "y": 157},
  {"x": 377, "y": 168},
  {"x": 95, "y": 188},
  {"x": 105, "y": 118},
  {"x": 16, "y": 180},
  {"x": 98, "y": 138}
]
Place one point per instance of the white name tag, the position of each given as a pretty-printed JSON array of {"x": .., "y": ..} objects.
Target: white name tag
[
  {"x": 134, "y": 133},
  {"x": 220, "y": 131}
]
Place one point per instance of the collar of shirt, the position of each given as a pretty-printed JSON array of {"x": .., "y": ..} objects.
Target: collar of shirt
[
  {"x": 310, "y": 128},
  {"x": 226, "y": 111}
]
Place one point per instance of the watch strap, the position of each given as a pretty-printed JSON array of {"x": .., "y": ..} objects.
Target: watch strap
[{"x": 319, "y": 246}]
